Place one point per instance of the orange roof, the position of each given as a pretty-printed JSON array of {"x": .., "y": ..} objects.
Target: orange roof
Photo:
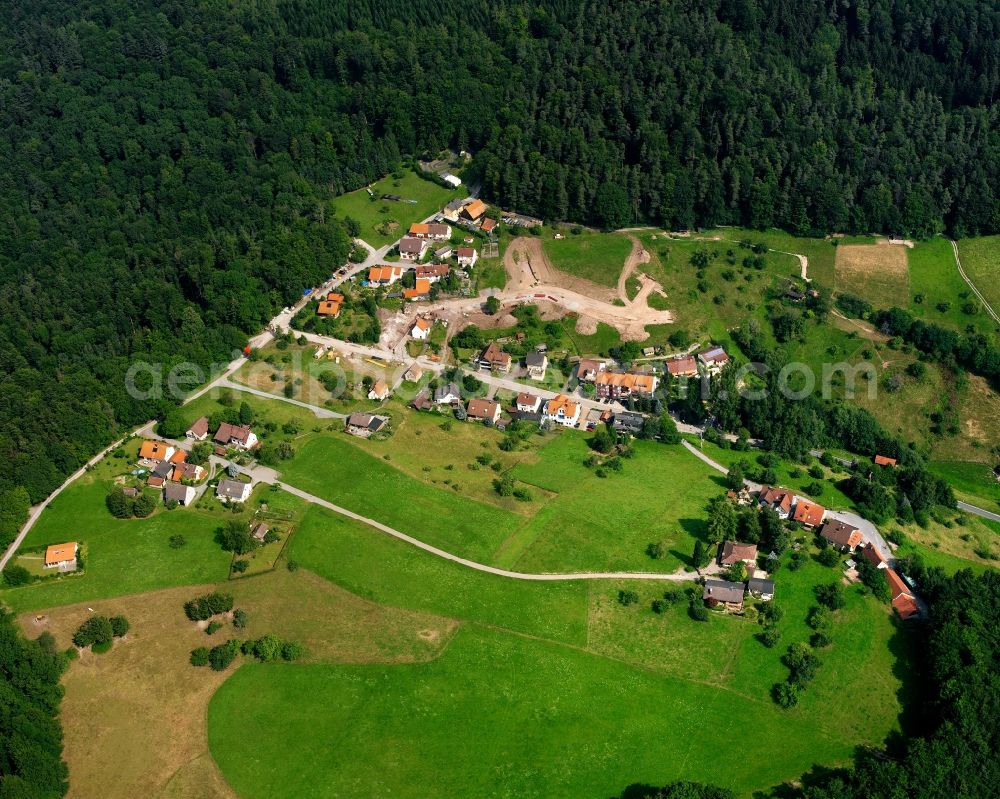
[
  {"x": 563, "y": 403},
  {"x": 423, "y": 287},
  {"x": 906, "y": 606},
  {"x": 644, "y": 384},
  {"x": 776, "y": 495},
  {"x": 475, "y": 209},
  {"x": 327, "y": 308},
  {"x": 488, "y": 225},
  {"x": 872, "y": 555},
  {"x": 57, "y": 553},
  {"x": 153, "y": 450},
  {"x": 882, "y": 460},
  {"x": 333, "y": 296},
  {"x": 808, "y": 513},
  {"x": 379, "y": 273},
  {"x": 179, "y": 456},
  {"x": 423, "y": 324},
  {"x": 419, "y": 229},
  {"x": 896, "y": 584},
  {"x": 682, "y": 366}
]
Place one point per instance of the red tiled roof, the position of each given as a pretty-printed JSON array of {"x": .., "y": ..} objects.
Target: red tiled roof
[
  {"x": 872, "y": 555},
  {"x": 882, "y": 460},
  {"x": 906, "y": 606},
  {"x": 776, "y": 496},
  {"x": 733, "y": 552},
  {"x": 682, "y": 366},
  {"x": 482, "y": 409},
  {"x": 896, "y": 584},
  {"x": 808, "y": 513}
]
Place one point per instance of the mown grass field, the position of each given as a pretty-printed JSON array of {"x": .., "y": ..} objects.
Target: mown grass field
[
  {"x": 935, "y": 277},
  {"x": 660, "y": 496},
  {"x": 384, "y": 221},
  {"x": 628, "y": 701},
  {"x": 124, "y": 556},
  {"x": 598, "y": 257},
  {"x": 976, "y": 483},
  {"x": 427, "y": 482},
  {"x": 878, "y": 272},
  {"x": 149, "y": 704},
  {"x": 981, "y": 261},
  {"x": 339, "y": 472}
]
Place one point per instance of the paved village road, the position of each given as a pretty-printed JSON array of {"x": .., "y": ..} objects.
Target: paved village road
[
  {"x": 986, "y": 514},
  {"x": 867, "y": 529}
]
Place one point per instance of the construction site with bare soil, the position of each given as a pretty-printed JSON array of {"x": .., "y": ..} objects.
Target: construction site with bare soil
[{"x": 532, "y": 278}]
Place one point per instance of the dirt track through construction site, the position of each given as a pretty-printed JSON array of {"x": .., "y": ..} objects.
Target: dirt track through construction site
[{"x": 530, "y": 270}]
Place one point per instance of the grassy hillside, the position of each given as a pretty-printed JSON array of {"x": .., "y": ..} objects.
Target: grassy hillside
[
  {"x": 981, "y": 261},
  {"x": 384, "y": 221},
  {"x": 594, "y": 256},
  {"x": 634, "y": 698}
]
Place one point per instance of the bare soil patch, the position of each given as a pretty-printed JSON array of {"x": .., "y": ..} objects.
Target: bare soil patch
[
  {"x": 527, "y": 265},
  {"x": 878, "y": 272}
]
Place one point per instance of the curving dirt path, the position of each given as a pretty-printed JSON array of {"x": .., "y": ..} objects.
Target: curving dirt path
[
  {"x": 532, "y": 277},
  {"x": 965, "y": 277},
  {"x": 803, "y": 260},
  {"x": 528, "y": 266},
  {"x": 545, "y": 577}
]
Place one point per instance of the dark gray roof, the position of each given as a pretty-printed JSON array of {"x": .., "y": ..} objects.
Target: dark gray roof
[
  {"x": 174, "y": 492},
  {"x": 443, "y": 391},
  {"x": 723, "y": 591},
  {"x": 758, "y": 585},
  {"x": 534, "y": 359},
  {"x": 163, "y": 469}
]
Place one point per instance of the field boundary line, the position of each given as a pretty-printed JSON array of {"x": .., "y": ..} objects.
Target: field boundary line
[{"x": 965, "y": 277}]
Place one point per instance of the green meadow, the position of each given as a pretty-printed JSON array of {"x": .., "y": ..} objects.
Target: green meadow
[
  {"x": 598, "y": 257},
  {"x": 384, "y": 221},
  {"x": 592, "y": 694},
  {"x": 981, "y": 261},
  {"x": 123, "y": 556}
]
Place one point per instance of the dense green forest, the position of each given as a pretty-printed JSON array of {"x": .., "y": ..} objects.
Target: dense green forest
[
  {"x": 30, "y": 736},
  {"x": 169, "y": 166}
]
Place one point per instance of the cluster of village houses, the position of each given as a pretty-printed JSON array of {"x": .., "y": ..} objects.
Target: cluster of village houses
[
  {"x": 839, "y": 534},
  {"x": 422, "y": 240},
  {"x": 609, "y": 385},
  {"x": 168, "y": 469}
]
